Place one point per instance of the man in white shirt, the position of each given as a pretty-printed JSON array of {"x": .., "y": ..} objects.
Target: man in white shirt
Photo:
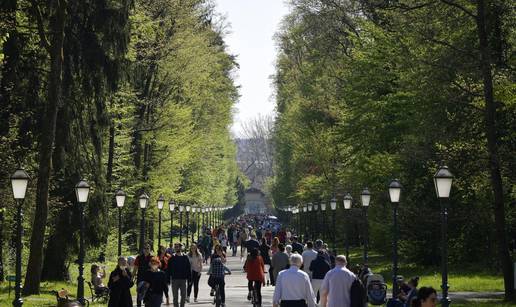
[
  {"x": 293, "y": 288},
  {"x": 335, "y": 290},
  {"x": 308, "y": 255}
]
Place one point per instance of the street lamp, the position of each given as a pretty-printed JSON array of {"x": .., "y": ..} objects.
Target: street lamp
[
  {"x": 160, "y": 203},
  {"x": 19, "y": 182},
  {"x": 443, "y": 179},
  {"x": 143, "y": 201},
  {"x": 82, "y": 191},
  {"x": 187, "y": 207},
  {"x": 120, "y": 201},
  {"x": 325, "y": 226},
  {"x": 171, "y": 207},
  {"x": 333, "y": 206},
  {"x": 199, "y": 213},
  {"x": 316, "y": 221},
  {"x": 365, "y": 196},
  {"x": 347, "y": 205},
  {"x": 394, "y": 195},
  {"x": 181, "y": 208}
]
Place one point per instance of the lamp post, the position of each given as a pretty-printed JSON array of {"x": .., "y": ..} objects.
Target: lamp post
[
  {"x": 82, "y": 190},
  {"x": 333, "y": 206},
  {"x": 325, "y": 227},
  {"x": 443, "y": 179},
  {"x": 316, "y": 220},
  {"x": 347, "y": 206},
  {"x": 143, "y": 200},
  {"x": 181, "y": 208},
  {"x": 199, "y": 213},
  {"x": 19, "y": 182},
  {"x": 365, "y": 197},
  {"x": 171, "y": 208},
  {"x": 120, "y": 201},
  {"x": 394, "y": 195},
  {"x": 160, "y": 203},
  {"x": 305, "y": 228},
  {"x": 187, "y": 207},
  {"x": 310, "y": 220},
  {"x": 203, "y": 211}
]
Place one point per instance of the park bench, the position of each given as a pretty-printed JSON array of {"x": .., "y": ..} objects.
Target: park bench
[{"x": 98, "y": 296}]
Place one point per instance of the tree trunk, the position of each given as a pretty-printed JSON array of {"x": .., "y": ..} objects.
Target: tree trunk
[
  {"x": 492, "y": 148},
  {"x": 47, "y": 137},
  {"x": 56, "y": 253}
]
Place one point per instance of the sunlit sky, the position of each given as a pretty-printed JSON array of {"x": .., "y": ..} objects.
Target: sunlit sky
[{"x": 252, "y": 25}]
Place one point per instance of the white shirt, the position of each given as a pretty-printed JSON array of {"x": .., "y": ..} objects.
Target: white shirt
[
  {"x": 308, "y": 256},
  {"x": 293, "y": 285},
  {"x": 335, "y": 281}
]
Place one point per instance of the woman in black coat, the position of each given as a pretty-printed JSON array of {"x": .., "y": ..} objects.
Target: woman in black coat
[{"x": 120, "y": 283}]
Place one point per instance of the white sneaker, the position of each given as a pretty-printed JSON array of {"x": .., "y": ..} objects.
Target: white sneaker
[{"x": 195, "y": 300}]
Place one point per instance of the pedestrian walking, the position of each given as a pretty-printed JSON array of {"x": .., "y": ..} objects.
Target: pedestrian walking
[
  {"x": 296, "y": 246},
  {"x": 141, "y": 265},
  {"x": 155, "y": 283},
  {"x": 308, "y": 256},
  {"x": 279, "y": 262},
  {"x": 180, "y": 272},
  {"x": 319, "y": 267},
  {"x": 426, "y": 297},
  {"x": 119, "y": 284},
  {"x": 336, "y": 286},
  {"x": 293, "y": 288},
  {"x": 196, "y": 261},
  {"x": 265, "y": 252}
]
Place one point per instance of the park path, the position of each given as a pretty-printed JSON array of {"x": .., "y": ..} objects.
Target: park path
[{"x": 236, "y": 288}]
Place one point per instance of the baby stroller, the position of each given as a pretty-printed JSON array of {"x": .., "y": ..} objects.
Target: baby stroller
[{"x": 376, "y": 289}]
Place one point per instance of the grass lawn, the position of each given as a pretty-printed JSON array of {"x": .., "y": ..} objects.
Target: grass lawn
[
  {"x": 472, "y": 279},
  {"x": 46, "y": 298}
]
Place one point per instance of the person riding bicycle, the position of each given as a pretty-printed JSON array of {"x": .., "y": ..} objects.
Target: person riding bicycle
[
  {"x": 254, "y": 267},
  {"x": 217, "y": 271}
]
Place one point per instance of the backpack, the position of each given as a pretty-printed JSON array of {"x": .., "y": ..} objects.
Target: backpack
[{"x": 357, "y": 294}]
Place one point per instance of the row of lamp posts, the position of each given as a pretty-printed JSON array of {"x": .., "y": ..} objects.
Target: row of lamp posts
[
  {"x": 347, "y": 201},
  {"x": 19, "y": 183},
  {"x": 443, "y": 179}
]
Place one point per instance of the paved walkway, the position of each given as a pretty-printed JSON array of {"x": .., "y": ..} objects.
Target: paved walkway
[{"x": 236, "y": 288}]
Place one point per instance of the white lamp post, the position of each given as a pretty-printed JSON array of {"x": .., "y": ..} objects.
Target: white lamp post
[
  {"x": 394, "y": 195},
  {"x": 120, "y": 201},
  {"x": 160, "y": 203},
  {"x": 19, "y": 182},
  {"x": 82, "y": 191},
  {"x": 443, "y": 180}
]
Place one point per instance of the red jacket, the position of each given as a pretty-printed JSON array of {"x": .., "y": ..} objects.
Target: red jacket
[{"x": 255, "y": 269}]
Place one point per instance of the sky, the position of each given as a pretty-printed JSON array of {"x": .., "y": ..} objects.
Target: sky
[{"x": 252, "y": 25}]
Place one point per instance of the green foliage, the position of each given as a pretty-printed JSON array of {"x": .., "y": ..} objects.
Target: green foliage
[
  {"x": 385, "y": 92},
  {"x": 147, "y": 103}
]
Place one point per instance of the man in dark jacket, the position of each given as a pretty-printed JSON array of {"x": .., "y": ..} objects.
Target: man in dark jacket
[
  {"x": 180, "y": 272},
  {"x": 296, "y": 246},
  {"x": 319, "y": 267},
  {"x": 119, "y": 284}
]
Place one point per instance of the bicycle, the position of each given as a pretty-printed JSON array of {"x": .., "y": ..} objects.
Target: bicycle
[
  {"x": 217, "y": 298},
  {"x": 254, "y": 298}
]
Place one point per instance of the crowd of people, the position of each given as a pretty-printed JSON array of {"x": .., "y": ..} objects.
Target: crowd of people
[{"x": 304, "y": 274}]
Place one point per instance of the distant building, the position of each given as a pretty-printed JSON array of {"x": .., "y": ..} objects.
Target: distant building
[{"x": 256, "y": 202}]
